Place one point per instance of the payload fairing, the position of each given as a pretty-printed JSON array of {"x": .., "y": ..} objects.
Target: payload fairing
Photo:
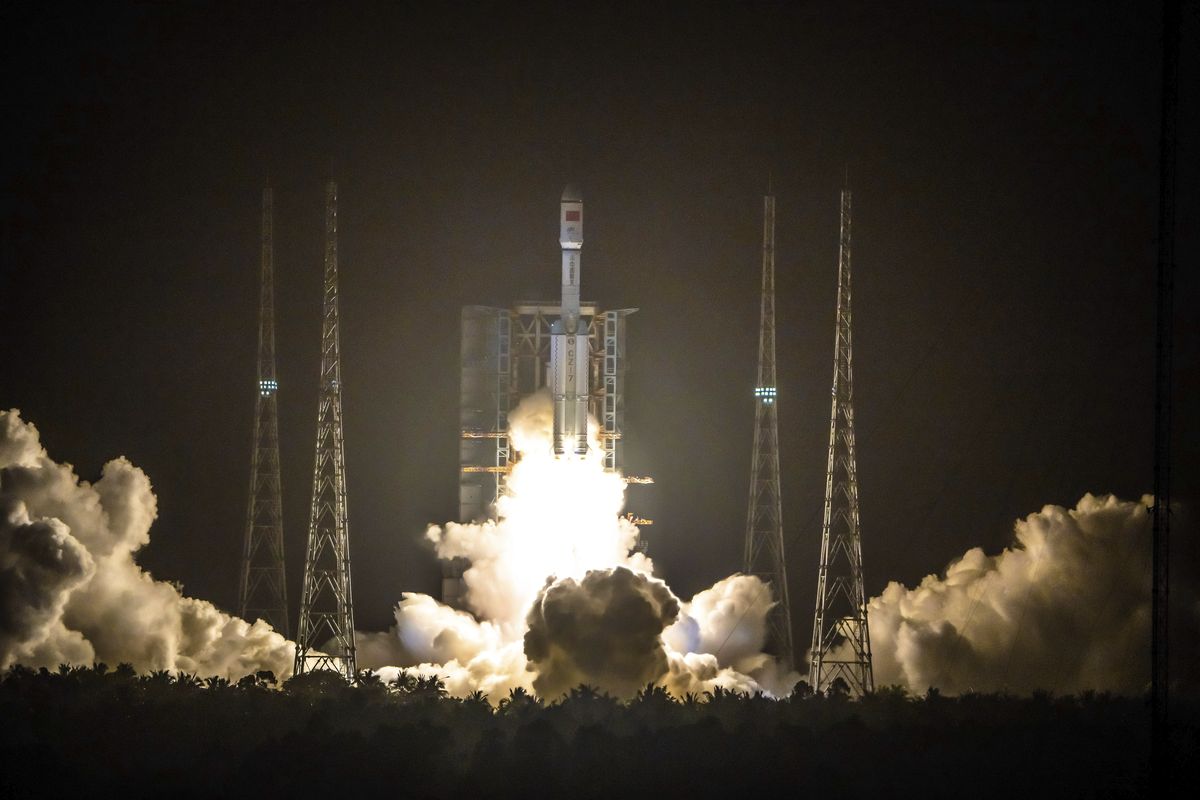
[{"x": 569, "y": 339}]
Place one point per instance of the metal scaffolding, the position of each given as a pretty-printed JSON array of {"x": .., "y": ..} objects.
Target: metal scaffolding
[
  {"x": 262, "y": 592},
  {"x": 326, "y": 636},
  {"x": 841, "y": 641},
  {"x": 505, "y": 355},
  {"x": 764, "y": 554}
]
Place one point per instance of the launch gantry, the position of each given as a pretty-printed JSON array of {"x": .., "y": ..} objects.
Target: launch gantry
[{"x": 505, "y": 356}]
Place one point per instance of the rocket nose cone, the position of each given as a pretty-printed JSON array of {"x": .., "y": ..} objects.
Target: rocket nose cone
[{"x": 571, "y": 194}]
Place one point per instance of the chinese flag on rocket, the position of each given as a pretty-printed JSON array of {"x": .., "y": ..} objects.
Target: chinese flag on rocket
[{"x": 571, "y": 216}]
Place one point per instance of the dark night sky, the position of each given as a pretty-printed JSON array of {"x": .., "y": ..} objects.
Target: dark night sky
[{"x": 1004, "y": 163}]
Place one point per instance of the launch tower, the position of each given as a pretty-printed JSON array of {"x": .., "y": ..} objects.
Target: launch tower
[
  {"x": 505, "y": 356},
  {"x": 262, "y": 593},
  {"x": 764, "y": 554},
  {"x": 326, "y": 634},
  {"x": 841, "y": 641}
]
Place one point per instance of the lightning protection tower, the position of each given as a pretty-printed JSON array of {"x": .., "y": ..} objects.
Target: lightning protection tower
[
  {"x": 326, "y": 635},
  {"x": 841, "y": 640},
  {"x": 263, "y": 590},
  {"x": 764, "y": 555}
]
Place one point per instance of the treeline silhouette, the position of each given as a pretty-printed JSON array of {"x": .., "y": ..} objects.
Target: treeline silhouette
[{"x": 112, "y": 732}]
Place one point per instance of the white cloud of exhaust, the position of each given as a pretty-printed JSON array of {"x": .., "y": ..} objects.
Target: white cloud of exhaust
[
  {"x": 1066, "y": 607},
  {"x": 71, "y": 590},
  {"x": 558, "y": 596}
]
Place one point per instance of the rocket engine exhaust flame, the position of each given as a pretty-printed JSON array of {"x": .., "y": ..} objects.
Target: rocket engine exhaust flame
[{"x": 558, "y": 596}]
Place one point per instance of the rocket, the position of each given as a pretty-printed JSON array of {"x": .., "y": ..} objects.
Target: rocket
[{"x": 569, "y": 340}]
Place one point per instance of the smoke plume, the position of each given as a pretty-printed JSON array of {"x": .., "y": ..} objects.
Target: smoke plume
[
  {"x": 71, "y": 591},
  {"x": 559, "y": 596},
  {"x": 603, "y": 630},
  {"x": 1066, "y": 607}
]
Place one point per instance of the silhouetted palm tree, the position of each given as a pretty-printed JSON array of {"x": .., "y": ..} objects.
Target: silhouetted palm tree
[{"x": 519, "y": 702}]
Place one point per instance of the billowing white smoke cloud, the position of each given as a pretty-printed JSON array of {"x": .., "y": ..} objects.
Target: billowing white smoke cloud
[
  {"x": 70, "y": 590},
  {"x": 720, "y": 635},
  {"x": 559, "y": 597},
  {"x": 1066, "y": 608}
]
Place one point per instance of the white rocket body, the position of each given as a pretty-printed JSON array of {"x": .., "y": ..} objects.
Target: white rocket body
[{"x": 569, "y": 340}]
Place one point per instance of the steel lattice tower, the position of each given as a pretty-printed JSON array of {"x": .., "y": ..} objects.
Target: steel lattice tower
[
  {"x": 764, "y": 555},
  {"x": 326, "y": 636},
  {"x": 841, "y": 643},
  {"x": 262, "y": 592}
]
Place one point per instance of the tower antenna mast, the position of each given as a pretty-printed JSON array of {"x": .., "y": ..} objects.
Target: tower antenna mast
[
  {"x": 262, "y": 591},
  {"x": 326, "y": 636},
  {"x": 841, "y": 640},
  {"x": 764, "y": 554}
]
